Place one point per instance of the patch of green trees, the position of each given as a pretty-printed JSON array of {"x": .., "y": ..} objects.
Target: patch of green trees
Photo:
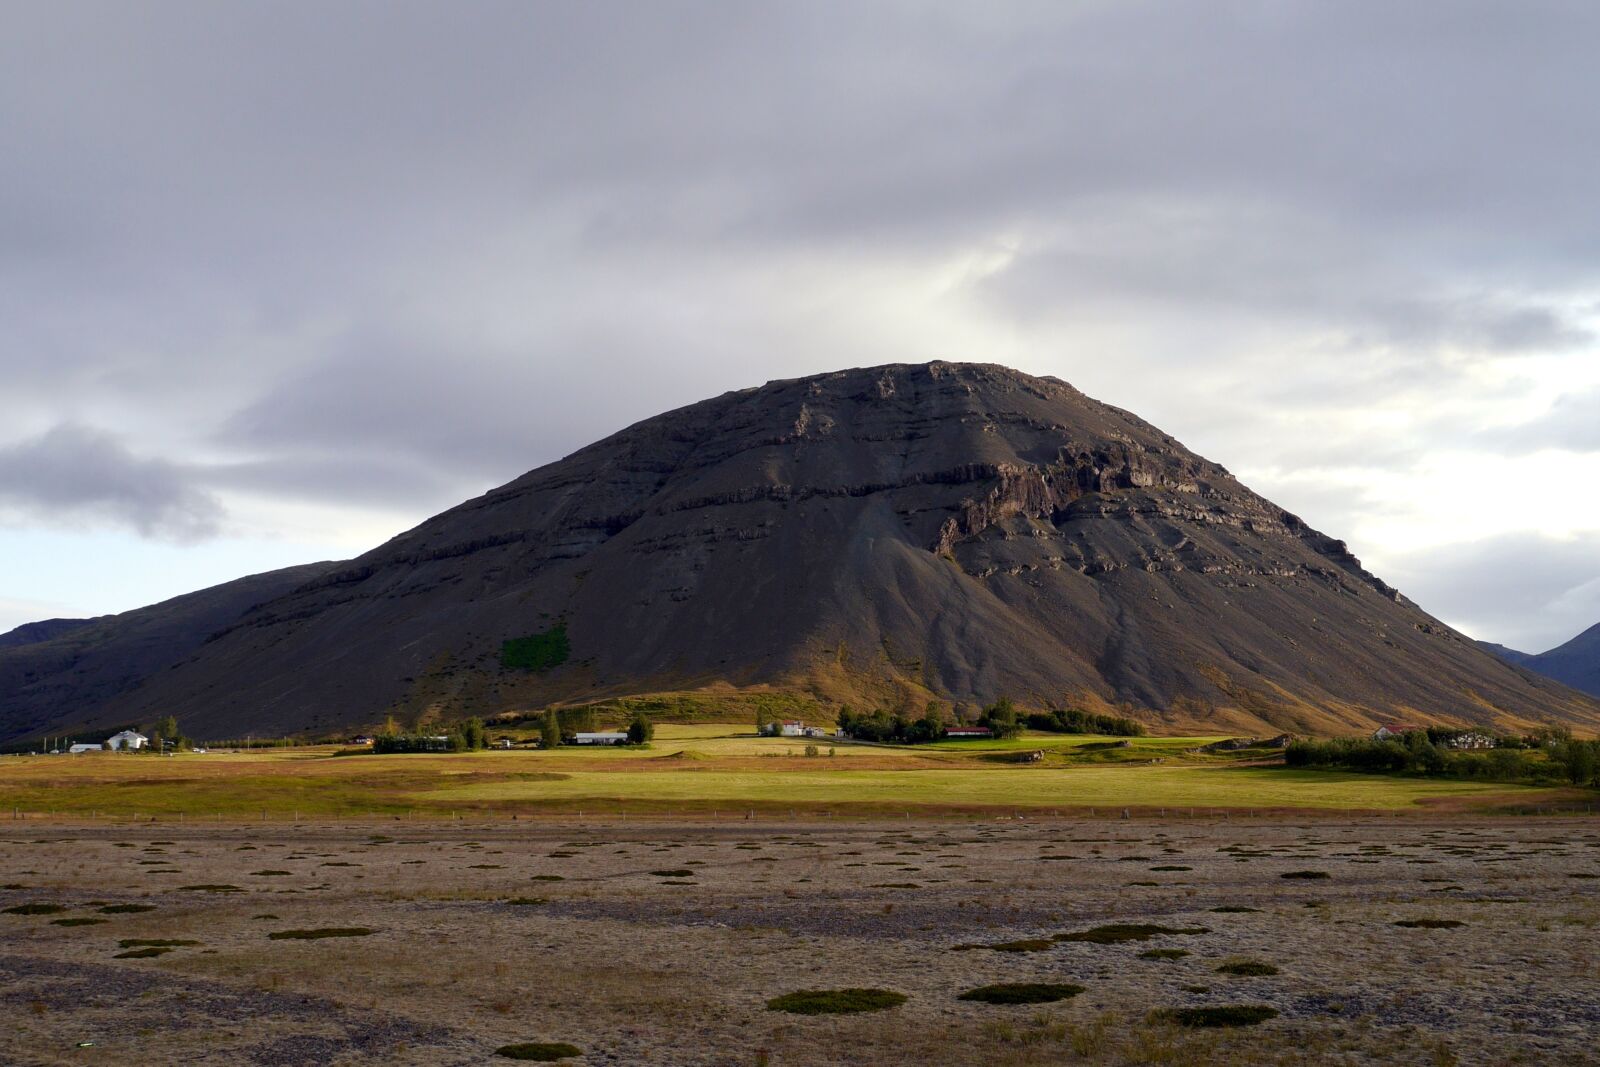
[
  {"x": 1556, "y": 757},
  {"x": 1002, "y": 718}
]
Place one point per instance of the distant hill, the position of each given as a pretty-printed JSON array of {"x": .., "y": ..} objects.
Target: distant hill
[
  {"x": 68, "y": 673},
  {"x": 1576, "y": 663},
  {"x": 880, "y": 537},
  {"x": 31, "y": 633}
]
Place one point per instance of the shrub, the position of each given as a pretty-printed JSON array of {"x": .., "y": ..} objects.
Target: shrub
[
  {"x": 319, "y": 933},
  {"x": 34, "y": 909},
  {"x": 1118, "y": 932},
  {"x": 1164, "y": 954},
  {"x": 1248, "y": 969},
  {"x": 539, "y": 1051},
  {"x": 78, "y": 922},
  {"x": 1307, "y": 875},
  {"x": 1223, "y": 1015},
  {"x": 836, "y": 1001},
  {"x": 126, "y": 909},
  {"x": 1430, "y": 924},
  {"x": 1021, "y": 993}
]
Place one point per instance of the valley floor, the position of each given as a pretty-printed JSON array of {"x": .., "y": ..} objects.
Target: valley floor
[{"x": 655, "y": 940}]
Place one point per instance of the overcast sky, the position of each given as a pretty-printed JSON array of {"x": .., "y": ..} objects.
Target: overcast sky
[{"x": 278, "y": 281}]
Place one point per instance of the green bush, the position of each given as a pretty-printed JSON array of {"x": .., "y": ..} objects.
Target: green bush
[
  {"x": 538, "y": 652},
  {"x": 319, "y": 933},
  {"x": 836, "y": 1001},
  {"x": 1118, "y": 932},
  {"x": 1248, "y": 969},
  {"x": 1021, "y": 993},
  {"x": 1223, "y": 1015}
]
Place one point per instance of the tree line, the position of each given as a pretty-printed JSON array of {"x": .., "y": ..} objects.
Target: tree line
[
  {"x": 1002, "y": 718},
  {"x": 1554, "y": 756}
]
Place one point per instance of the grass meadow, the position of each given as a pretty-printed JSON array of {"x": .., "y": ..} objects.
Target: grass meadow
[{"x": 700, "y": 767}]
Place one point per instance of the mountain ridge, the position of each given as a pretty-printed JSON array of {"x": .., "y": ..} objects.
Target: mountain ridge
[
  {"x": 1575, "y": 662},
  {"x": 883, "y": 536}
]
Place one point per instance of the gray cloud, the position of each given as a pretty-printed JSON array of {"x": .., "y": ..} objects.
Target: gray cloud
[
  {"x": 386, "y": 255},
  {"x": 79, "y": 475},
  {"x": 1522, "y": 590}
]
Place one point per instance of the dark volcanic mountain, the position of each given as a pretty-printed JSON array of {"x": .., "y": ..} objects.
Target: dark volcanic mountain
[
  {"x": 67, "y": 673},
  {"x": 1576, "y": 663},
  {"x": 872, "y": 536}
]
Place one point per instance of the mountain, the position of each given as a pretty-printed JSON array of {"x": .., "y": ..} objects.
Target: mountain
[
  {"x": 881, "y": 537},
  {"x": 1576, "y": 663},
  {"x": 32, "y": 633},
  {"x": 65, "y": 674}
]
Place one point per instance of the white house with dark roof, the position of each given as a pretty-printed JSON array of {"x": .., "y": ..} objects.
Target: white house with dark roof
[{"x": 126, "y": 739}]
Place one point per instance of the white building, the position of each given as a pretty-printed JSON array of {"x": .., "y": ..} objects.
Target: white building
[
  {"x": 126, "y": 739},
  {"x": 75, "y": 749},
  {"x": 609, "y": 737}
]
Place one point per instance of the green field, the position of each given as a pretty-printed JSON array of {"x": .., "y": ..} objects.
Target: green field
[{"x": 703, "y": 767}]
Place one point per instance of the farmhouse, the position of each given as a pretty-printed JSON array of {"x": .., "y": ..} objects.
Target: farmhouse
[
  {"x": 959, "y": 732},
  {"x": 1393, "y": 731},
  {"x": 608, "y": 737},
  {"x": 1471, "y": 739},
  {"x": 75, "y": 749},
  {"x": 786, "y": 728},
  {"x": 126, "y": 739}
]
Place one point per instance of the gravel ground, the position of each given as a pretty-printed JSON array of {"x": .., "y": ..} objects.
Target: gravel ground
[{"x": 591, "y": 933}]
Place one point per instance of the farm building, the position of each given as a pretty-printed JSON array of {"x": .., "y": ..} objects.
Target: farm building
[
  {"x": 1470, "y": 740},
  {"x": 785, "y": 728},
  {"x": 75, "y": 749},
  {"x": 968, "y": 732},
  {"x": 126, "y": 739},
  {"x": 607, "y": 737},
  {"x": 1393, "y": 731}
]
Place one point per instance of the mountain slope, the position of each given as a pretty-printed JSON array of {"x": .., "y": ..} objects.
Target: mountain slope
[
  {"x": 878, "y": 536},
  {"x": 32, "y": 633},
  {"x": 55, "y": 677},
  {"x": 1576, "y": 663}
]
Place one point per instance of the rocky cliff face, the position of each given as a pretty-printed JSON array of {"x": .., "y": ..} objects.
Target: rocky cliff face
[{"x": 873, "y": 536}]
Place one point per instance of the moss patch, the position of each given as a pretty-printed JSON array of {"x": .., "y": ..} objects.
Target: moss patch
[
  {"x": 1164, "y": 954},
  {"x": 1021, "y": 993},
  {"x": 538, "y": 652},
  {"x": 1305, "y": 874},
  {"x": 836, "y": 1001},
  {"x": 1222, "y": 1015},
  {"x": 1248, "y": 969},
  {"x": 78, "y": 922},
  {"x": 34, "y": 909},
  {"x": 1430, "y": 924},
  {"x": 126, "y": 909},
  {"x": 1118, "y": 932},
  {"x": 319, "y": 933},
  {"x": 539, "y": 1051}
]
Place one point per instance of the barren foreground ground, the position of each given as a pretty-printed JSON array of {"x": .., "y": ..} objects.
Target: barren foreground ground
[{"x": 652, "y": 941}]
